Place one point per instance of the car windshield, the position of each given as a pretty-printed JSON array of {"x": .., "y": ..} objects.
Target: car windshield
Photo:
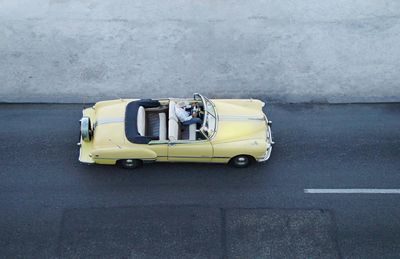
[
  {"x": 210, "y": 116},
  {"x": 210, "y": 119}
]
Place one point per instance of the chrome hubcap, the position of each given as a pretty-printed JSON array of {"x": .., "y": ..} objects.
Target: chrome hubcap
[
  {"x": 241, "y": 160},
  {"x": 129, "y": 162}
]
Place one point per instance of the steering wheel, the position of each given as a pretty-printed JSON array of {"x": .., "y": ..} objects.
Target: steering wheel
[{"x": 198, "y": 109}]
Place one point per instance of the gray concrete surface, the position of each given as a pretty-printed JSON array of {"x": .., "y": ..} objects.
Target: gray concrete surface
[
  {"x": 286, "y": 51},
  {"x": 52, "y": 206}
]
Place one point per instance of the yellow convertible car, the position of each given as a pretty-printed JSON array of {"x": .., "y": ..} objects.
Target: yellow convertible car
[{"x": 128, "y": 132}]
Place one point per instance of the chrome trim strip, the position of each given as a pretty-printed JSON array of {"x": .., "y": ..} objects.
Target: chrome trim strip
[
  {"x": 197, "y": 157},
  {"x": 108, "y": 121},
  {"x": 239, "y": 117},
  {"x": 108, "y": 158},
  {"x": 186, "y": 141},
  {"x": 123, "y": 158}
]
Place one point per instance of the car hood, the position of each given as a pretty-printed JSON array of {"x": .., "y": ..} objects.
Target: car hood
[{"x": 240, "y": 120}]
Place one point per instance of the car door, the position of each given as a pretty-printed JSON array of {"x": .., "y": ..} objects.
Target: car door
[
  {"x": 190, "y": 151},
  {"x": 160, "y": 147}
]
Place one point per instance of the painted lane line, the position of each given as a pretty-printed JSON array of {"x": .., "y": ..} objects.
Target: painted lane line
[{"x": 376, "y": 191}]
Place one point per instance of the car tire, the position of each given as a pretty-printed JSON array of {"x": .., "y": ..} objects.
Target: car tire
[
  {"x": 241, "y": 161},
  {"x": 130, "y": 163}
]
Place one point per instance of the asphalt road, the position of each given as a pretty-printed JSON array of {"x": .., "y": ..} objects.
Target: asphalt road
[{"x": 52, "y": 206}]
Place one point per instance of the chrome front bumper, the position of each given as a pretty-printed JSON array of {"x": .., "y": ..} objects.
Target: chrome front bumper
[{"x": 269, "y": 149}]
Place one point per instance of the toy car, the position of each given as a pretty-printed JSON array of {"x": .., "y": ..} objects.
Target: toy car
[{"x": 128, "y": 132}]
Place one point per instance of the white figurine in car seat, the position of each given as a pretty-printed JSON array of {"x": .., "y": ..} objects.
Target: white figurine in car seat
[{"x": 184, "y": 116}]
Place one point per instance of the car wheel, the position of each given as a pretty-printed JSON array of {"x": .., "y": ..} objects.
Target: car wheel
[
  {"x": 241, "y": 161},
  {"x": 130, "y": 163}
]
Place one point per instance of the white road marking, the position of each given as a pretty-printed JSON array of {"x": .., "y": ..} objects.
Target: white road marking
[{"x": 376, "y": 191}]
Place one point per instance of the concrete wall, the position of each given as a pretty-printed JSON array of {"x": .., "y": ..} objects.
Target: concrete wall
[{"x": 298, "y": 50}]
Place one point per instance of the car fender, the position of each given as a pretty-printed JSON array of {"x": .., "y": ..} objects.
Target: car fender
[
  {"x": 251, "y": 147},
  {"x": 121, "y": 152}
]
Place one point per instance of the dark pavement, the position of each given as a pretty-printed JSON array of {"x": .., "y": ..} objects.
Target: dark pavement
[{"x": 51, "y": 206}]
